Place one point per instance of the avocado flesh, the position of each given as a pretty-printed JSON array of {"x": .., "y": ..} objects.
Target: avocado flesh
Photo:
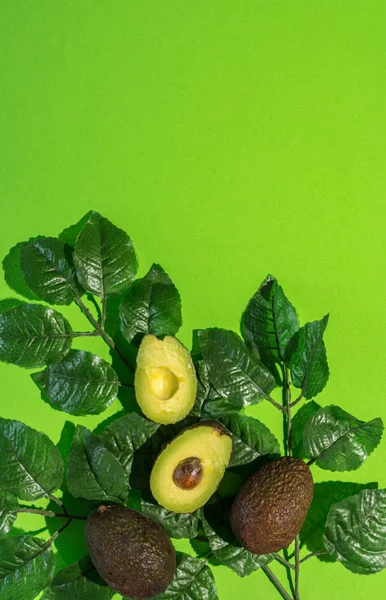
[
  {"x": 165, "y": 379},
  {"x": 131, "y": 552},
  {"x": 270, "y": 508},
  {"x": 209, "y": 443}
]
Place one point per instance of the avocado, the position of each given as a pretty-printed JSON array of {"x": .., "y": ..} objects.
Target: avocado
[
  {"x": 165, "y": 379},
  {"x": 131, "y": 552},
  {"x": 270, "y": 508},
  {"x": 189, "y": 470}
]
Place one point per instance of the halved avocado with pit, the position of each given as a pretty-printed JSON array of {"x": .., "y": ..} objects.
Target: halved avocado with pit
[
  {"x": 165, "y": 379},
  {"x": 189, "y": 470}
]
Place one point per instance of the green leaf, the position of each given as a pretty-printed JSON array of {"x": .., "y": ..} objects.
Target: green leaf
[
  {"x": 269, "y": 321},
  {"x": 193, "y": 580},
  {"x": 337, "y": 441},
  {"x": 80, "y": 384},
  {"x": 225, "y": 546},
  {"x": 93, "y": 472},
  {"x": 30, "y": 464},
  {"x": 46, "y": 265},
  {"x": 104, "y": 258},
  {"x": 307, "y": 359},
  {"x": 79, "y": 581},
  {"x": 203, "y": 388},
  {"x": 26, "y": 567},
  {"x": 176, "y": 525},
  {"x": 236, "y": 375},
  {"x": 208, "y": 402},
  {"x": 326, "y": 494},
  {"x": 297, "y": 428},
  {"x": 33, "y": 336},
  {"x": 251, "y": 439},
  {"x": 152, "y": 305},
  {"x": 8, "y": 508},
  {"x": 215, "y": 408},
  {"x": 125, "y": 436},
  {"x": 356, "y": 532}
]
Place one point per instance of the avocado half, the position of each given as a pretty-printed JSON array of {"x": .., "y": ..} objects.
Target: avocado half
[
  {"x": 131, "y": 552},
  {"x": 165, "y": 379},
  {"x": 189, "y": 470},
  {"x": 271, "y": 507}
]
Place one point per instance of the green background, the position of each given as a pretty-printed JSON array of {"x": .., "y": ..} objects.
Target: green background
[{"x": 230, "y": 140}]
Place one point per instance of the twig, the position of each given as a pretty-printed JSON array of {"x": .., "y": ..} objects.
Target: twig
[
  {"x": 297, "y": 565},
  {"x": 287, "y": 397},
  {"x": 101, "y": 331},
  {"x": 130, "y": 385},
  {"x": 48, "y": 513},
  {"x": 282, "y": 560},
  {"x": 104, "y": 310},
  {"x": 85, "y": 334},
  {"x": 276, "y": 404},
  {"x": 276, "y": 582},
  {"x": 58, "y": 502},
  {"x": 318, "y": 553},
  {"x": 298, "y": 399}
]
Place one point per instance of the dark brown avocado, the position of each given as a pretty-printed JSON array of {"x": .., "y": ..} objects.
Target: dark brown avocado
[
  {"x": 270, "y": 508},
  {"x": 131, "y": 552}
]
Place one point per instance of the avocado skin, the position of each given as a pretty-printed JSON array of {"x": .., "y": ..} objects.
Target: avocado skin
[
  {"x": 270, "y": 508},
  {"x": 131, "y": 552}
]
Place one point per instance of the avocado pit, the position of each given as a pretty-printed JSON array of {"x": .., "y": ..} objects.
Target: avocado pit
[
  {"x": 163, "y": 383},
  {"x": 188, "y": 473}
]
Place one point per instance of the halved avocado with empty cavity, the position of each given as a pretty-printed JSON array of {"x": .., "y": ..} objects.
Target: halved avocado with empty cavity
[
  {"x": 189, "y": 470},
  {"x": 165, "y": 379}
]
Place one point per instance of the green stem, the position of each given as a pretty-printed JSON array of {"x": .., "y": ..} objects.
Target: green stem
[
  {"x": 298, "y": 399},
  {"x": 297, "y": 566},
  {"x": 101, "y": 331},
  {"x": 276, "y": 582},
  {"x": 104, "y": 311},
  {"x": 276, "y": 404},
  {"x": 76, "y": 334},
  {"x": 287, "y": 395},
  {"x": 58, "y": 502}
]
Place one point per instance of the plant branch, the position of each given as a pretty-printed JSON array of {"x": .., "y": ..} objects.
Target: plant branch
[
  {"x": 276, "y": 582},
  {"x": 103, "y": 314},
  {"x": 48, "y": 513},
  {"x": 298, "y": 399},
  {"x": 58, "y": 502},
  {"x": 297, "y": 566},
  {"x": 318, "y": 553},
  {"x": 85, "y": 334},
  {"x": 101, "y": 331},
  {"x": 287, "y": 399},
  {"x": 283, "y": 561},
  {"x": 276, "y": 404},
  {"x": 130, "y": 385}
]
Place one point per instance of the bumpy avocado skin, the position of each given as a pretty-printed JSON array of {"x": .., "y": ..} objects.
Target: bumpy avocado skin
[
  {"x": 130, "y": 551},
  {"x": 270, "y": 508}
]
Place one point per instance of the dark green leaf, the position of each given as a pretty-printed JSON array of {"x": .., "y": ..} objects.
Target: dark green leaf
[
  {"x": 152, "y": 305},
  {"x": 215, "y": 408},
  {"x": 8, "y": 507},
  {"x": 356, "y": 532},
  {"x": 269, "y": 321},
  {"x": 193, "y": 580},
  {"x": 203, "y": 388},
  {"x": 79, "y": 581},
  {"x": 297, "y": 429},
  {"x": 33, "y": 336},
  {"x": 251, "y": 439},
  {"x": 104, "y": 258},
  {"x": 30, "y": 464},
  {"x": 326, "y": 494},
  {"x": 236, "y": 375},
  {"x": 177, "y": 525},
  {"x": 47, "y": 268},
  {"x": 126, "y": 435},
  {"x": 80, "y": 384},
  {"x": 26, "y": 567},
  {"x": 93, "y": 472},
  {"x": 306, "y": 354},
  {"x": 337, "y": 441},
  {"x": 225, "y": 546}
]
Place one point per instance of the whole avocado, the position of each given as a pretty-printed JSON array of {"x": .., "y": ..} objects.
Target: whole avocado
[
  {"x": 270, "y": 508},
  {"x": 131, "y": 552}
]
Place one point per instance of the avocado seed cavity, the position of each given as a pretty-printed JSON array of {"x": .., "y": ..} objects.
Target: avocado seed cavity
[
  {"x": 188, "y": 473},
  {"x": 164, "y": 383}
]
